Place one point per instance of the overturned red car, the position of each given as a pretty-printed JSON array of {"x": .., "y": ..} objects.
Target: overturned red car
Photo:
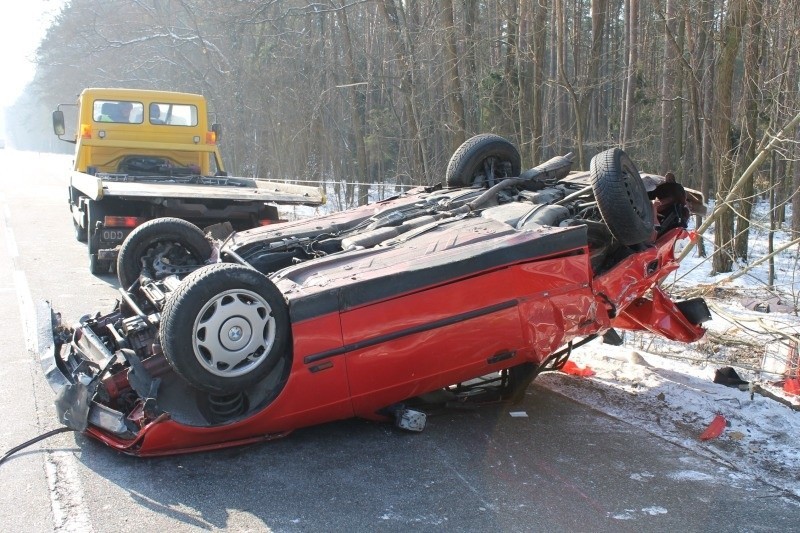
[{"x": 450, "y": 293}]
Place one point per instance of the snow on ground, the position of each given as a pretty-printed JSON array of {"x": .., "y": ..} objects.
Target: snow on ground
[{"x": 667, "y": 388}]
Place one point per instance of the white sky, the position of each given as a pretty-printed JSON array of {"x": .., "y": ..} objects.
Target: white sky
[{"x": 22, "y": 27}]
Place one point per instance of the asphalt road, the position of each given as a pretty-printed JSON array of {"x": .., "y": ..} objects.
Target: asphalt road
[{"x": 564, "y": 467}]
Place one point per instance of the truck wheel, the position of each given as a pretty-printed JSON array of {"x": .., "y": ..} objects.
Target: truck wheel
[
  {"x": 98, "y": 266},
  {"x": 96, "y": 214},
  {"x": 81, "y": 235},
  {"x": 162, "y": 246},
  {"x": 483, "y": 160},
  {"x": 225, "y": 328},
  {"x": 621, "y": 197}
]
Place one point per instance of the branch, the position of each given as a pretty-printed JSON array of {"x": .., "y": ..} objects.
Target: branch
[
  {"x": 762, "y": 155},
  {"x": 750, "y": 267}
]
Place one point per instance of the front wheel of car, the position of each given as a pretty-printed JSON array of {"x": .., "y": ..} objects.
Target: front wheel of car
[
  {"x": 483, "y": 160},
  {"x": 225, "y": 328},
  {"x": 621, "y": 197},
  {"x": 163, "y": 246}
]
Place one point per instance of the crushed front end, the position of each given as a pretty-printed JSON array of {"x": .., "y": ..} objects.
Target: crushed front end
[{"x": 105, "y": 370}]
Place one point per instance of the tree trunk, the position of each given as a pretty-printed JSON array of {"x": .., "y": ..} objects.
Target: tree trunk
[
  {"x": 356, "y": 108},
  {"x": 539, "y": 92},
  {"x": 470, "y": 67},
  {"x": 668, "y": 92},
  {"x": 599, "y": 9},
  {"x": 510, "y": 82},
  {"x": 402, "y": 56},
  {"x": 708, "y": 70},
  {"x": 730, "y": 37},
  {"x": 452, "y": 80},
  {"x": 523, "y": 68},
  {"x": 633, "y": 68},
  {"x": 752, "y": 67}
]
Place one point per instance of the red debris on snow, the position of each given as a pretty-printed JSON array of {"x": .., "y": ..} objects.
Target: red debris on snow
[
  {"x": 715, "y": 428},
  {"x": 792, "y": 386},
  {"x": 574, "y": 370}
]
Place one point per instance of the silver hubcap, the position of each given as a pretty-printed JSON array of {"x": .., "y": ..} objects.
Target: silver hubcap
[{"x": 233, "y": 333}]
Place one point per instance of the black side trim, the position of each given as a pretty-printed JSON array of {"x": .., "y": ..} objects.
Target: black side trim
[
  {"x": 366, "y": 343},
  {"x": 470, "y": 261},
  {"x": 502, "y": 356}
]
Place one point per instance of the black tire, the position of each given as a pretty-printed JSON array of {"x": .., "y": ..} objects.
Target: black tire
[
  {"x": 96, "y": 214},
  {"x": 621, "y": 197},
  {"x": 199, "y": 321},
  {"x": 193, "y": 247},
  {"x": 481, "y": 155},
  {"x": 81, "y": 235},
  {"x": 97, "y": 266}
]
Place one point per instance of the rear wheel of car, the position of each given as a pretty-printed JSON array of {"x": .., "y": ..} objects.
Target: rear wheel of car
[
  {"x": 225, "y": 328},
  {"x": 163, "y": 246},
  {"x": 483, "y": 160},
  {"x": 621, "y": 197}
]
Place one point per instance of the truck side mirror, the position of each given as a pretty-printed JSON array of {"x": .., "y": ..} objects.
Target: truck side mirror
[
  {"x": 58, "y": 123},
  {"x": 217, "y": 129}
]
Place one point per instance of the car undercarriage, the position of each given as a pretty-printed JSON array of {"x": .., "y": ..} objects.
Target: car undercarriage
[{"x": 440, "y": 295}]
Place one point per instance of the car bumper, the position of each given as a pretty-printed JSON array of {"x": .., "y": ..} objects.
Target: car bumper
[{"x": 75, "y": 385}]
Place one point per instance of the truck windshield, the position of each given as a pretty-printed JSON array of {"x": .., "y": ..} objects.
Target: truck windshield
[{"x": 121, "y": 111}]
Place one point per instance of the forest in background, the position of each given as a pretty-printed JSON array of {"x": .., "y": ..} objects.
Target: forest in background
[{"x": 383, "y": 91}]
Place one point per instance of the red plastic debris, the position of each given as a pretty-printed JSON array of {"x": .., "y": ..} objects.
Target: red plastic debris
[
  {"x": 715, "y": 428},
  {"x": 792, "y": 386},
  {"x": 574, "y": 370}
]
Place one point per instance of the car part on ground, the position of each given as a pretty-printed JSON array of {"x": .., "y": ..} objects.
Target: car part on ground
[{"x": 461, "y": 293}]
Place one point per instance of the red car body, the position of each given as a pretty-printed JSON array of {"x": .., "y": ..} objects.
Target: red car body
[{"x": 374, "y": 327}]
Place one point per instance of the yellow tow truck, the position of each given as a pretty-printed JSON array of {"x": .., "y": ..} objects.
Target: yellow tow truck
[{"x": 144, "y": 154}]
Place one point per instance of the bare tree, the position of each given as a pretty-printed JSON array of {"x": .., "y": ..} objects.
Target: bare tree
[
  {"x": 730, "y": 37},
  {"x": 752, "y": 101},
  {"x": 668, "y": 91},
  {"x": 453, "y": 81}
]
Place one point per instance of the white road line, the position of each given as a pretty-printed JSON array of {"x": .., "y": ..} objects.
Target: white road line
[
  {"x": 11, "y": 244},
  {"x": 66, "y": 497},
  {"x": 26, "y": 311},
  {"x": 70, "y": 513}
]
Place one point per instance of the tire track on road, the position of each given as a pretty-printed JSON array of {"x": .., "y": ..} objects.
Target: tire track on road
[{"x": 66, "y": 493}]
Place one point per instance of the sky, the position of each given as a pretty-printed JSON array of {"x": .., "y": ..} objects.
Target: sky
[{"x": 22, "y": 27}]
